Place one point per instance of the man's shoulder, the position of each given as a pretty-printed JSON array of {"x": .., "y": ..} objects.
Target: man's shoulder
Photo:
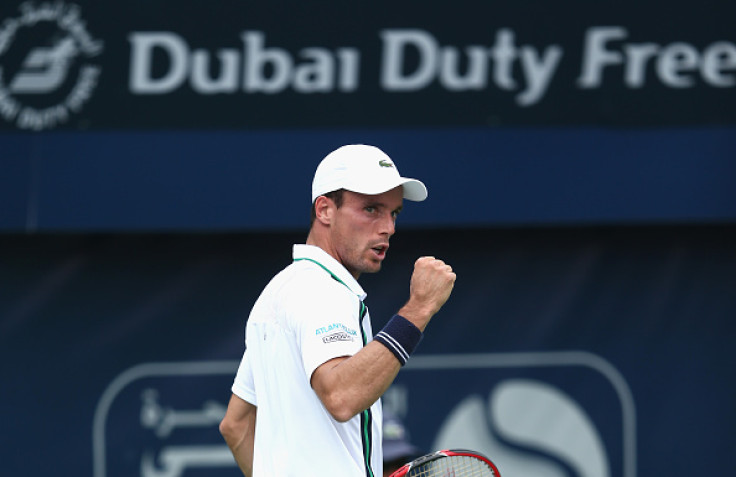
[{"x": 303, "y": 277}]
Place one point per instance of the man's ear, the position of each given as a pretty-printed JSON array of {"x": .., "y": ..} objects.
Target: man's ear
[{"x": 324, "y": 208}]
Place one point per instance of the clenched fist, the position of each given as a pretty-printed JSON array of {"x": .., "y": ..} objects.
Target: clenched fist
[{"x": 430, "y": 287}]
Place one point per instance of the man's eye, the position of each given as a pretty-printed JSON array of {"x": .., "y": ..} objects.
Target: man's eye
[{"x": 370, "y": 210}]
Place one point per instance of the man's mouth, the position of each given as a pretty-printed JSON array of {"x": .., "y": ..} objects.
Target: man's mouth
[{"x": 380, "y": 250}]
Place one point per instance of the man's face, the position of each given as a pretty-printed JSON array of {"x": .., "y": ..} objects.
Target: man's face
[{"x": 362, "y": 227}]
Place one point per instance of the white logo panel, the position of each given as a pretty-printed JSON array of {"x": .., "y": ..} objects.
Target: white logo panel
[
  {"x": 162, "y": 420},
  {"x": 553, "y": 414}
]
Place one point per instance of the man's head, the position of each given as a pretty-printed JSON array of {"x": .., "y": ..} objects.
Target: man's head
[
  {"x": 365, "y": 170},
  {"x": 357, "y": 193}
]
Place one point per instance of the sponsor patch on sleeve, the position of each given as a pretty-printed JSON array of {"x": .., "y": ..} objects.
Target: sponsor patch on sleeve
[{"x": 336, "y": 332}]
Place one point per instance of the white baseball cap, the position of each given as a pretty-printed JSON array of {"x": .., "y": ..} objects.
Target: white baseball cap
[{"x": 365, "y": 170}]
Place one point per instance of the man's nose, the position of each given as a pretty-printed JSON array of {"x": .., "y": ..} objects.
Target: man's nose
[{"x": 388, "y": 224}]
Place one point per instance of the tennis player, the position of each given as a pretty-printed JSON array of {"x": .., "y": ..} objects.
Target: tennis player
[{"x": 306, "y": 397}]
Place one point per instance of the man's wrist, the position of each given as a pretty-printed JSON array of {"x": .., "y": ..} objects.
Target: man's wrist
[{"x": 401, "y": 337}]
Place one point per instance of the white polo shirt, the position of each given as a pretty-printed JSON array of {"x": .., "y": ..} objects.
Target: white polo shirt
[{"x": 308, "y": 314}]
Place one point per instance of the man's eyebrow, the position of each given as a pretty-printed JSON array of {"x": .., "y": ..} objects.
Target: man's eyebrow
[
  {"x": 378, "y": 204},
  {"x": 371, "y": 202}
]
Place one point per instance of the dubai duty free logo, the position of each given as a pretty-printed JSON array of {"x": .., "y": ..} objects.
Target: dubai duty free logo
[{"x": 47, "y": 65}]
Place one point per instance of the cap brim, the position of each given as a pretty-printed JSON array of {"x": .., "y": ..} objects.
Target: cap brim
[{"x": 414, "y": 190}]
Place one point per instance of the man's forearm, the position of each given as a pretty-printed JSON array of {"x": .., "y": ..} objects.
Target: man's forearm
[
  {"x": 243, "y": 454},
  {"x": 238, "y": 427}
]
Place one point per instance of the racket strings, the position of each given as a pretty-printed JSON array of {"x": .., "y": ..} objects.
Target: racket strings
[{"x": 453, "y": 466}]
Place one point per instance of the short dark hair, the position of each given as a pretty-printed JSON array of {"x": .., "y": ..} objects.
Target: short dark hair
[{"x": 336, "y": 197}]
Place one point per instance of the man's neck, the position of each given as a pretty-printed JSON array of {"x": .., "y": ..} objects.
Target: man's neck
[{"x": 319, "y": 240}]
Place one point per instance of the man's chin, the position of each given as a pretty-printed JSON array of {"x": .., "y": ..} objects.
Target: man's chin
[{"x": 372, "y": 267}]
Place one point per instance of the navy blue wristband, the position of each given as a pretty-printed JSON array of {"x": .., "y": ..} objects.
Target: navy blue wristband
[{"x": 400, "y": 336}]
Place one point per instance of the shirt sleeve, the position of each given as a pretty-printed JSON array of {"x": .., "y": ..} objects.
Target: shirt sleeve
[
  {"x": 328, "y": 326},
  {"x": 243, "y": 386}
]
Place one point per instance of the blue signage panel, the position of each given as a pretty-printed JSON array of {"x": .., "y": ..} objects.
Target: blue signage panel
[
  {"x": 100, "y": 65},
  {"x": 475, "y": 177},
  {"x": 115, "y": 116}
]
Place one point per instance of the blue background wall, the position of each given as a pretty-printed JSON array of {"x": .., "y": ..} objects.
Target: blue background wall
[{"x": 655, "y": 303}]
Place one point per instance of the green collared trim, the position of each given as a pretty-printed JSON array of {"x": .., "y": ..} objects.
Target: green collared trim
[
  {"x": 325, "y": 269},
  {"x": 363, "y": 308}
]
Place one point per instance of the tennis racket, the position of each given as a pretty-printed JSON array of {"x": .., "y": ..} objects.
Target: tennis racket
[{"x": 449, "y": 463}]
